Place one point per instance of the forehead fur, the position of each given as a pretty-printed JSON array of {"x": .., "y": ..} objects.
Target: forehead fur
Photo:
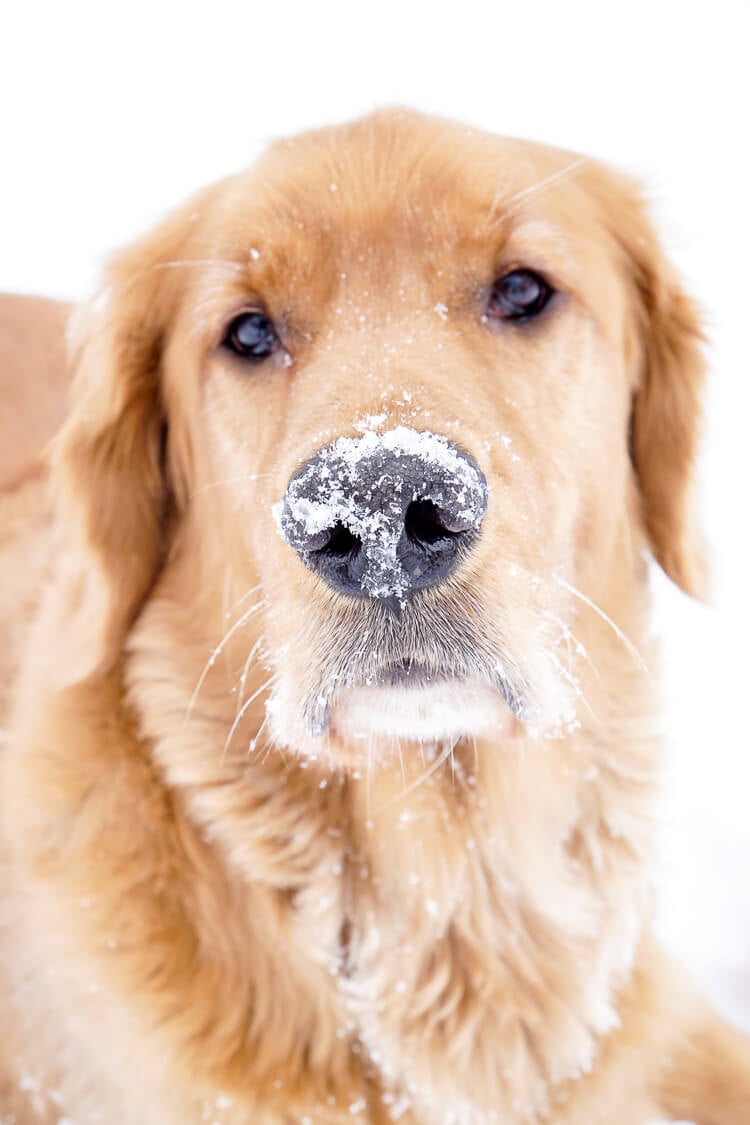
[
  {"x": 400, "y": 177},
  {"x": 404, "y": 160}
]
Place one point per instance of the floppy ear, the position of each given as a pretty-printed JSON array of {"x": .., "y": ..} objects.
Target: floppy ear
[
  {"x": 110, "y": 461},
  {"x": 666, "y": 430},
  {"x": 667, "y": 349}
]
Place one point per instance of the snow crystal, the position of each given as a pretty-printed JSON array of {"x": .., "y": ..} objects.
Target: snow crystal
[{"x": 398, "y": 1107}]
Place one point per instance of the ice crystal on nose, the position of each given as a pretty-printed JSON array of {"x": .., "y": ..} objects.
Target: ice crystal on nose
[{"x": 365, "y": 485}]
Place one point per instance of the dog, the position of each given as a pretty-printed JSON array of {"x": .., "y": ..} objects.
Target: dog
[{"x": 330, "y": 759}]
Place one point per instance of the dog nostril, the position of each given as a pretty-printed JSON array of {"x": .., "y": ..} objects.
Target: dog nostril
[
  {"x": 341, "y": 543},
  {"x": 384, "y": 515},
  {"x": 423, "y": 523}
]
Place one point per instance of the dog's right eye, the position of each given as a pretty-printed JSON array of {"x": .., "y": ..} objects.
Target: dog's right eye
[
  {"x": 519, "y": 296},
  {"x": 251, "y": 335}
]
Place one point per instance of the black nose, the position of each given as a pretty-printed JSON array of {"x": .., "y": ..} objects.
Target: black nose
[{"x": 386, "y": 514}]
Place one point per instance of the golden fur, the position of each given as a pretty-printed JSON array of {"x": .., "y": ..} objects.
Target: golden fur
[{"x": 210, "y": 914}]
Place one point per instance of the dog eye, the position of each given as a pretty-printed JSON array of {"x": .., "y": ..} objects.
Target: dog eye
[
  {"x": 251, "y": 335},
  {"x": 519, "y": 295}
]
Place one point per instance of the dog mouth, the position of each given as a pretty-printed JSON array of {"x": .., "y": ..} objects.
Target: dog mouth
[
  {"x": 411, "y": 675},
  {"x": 439, "y": 661},
  {"x": 418, "y": 700},
  {"x": 408, "y": 674}
]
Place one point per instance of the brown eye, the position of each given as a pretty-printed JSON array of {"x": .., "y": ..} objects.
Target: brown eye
[
  {"x": 519, "y": 295},
  {"x": 251, "y": 335}
]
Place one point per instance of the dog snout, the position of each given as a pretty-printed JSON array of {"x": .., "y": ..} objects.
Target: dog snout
[{"x": 384, "y": 515}]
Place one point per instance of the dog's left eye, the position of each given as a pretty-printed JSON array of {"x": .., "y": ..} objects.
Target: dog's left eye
[
  {"x": 251, "y": 335},
  {"x": 519, "y": 295}
]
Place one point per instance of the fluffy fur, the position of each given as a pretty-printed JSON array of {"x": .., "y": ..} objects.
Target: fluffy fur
[{"x": 434, "y": 912}]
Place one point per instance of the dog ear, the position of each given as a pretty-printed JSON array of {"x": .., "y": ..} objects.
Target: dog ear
[
  {"x": 111, "y": 463},
  {"x": 666, "y": 346}
]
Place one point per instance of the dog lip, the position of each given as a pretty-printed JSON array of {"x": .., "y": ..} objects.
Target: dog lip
[
  {"x": 410, "y": 673},
  {"x": 515, "y": 697},
  {"x": 319, "y": 715}
]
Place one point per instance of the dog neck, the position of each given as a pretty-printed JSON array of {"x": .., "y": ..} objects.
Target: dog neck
[{"x": 494, "y": 896}]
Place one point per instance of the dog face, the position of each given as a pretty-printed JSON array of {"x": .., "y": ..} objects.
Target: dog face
[{"x": 425, "y": 390}]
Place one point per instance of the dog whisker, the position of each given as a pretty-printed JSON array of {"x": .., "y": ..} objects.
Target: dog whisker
[
  {"x": 401, "y": 761},
  {"x": 245, "y": 706},
  {"x": 233, "y": 269},
  {"x": 621, "y": 636},
  {"x": 368, "y": 778},
  {"x": 242, "y": 598},
  {"x": 241, "y": 477},
  {"x": 575, "y": 592},
  {"x": 216, "y": 652},
  {"x": 252, "y": 744},
  {"x": 568, "y": 636},
  {"x": 521, "y": 198},
  {"x": 246, "y": 668},
  {"x": 423, "y": 777},
  {"x": 572, "y": 680}
]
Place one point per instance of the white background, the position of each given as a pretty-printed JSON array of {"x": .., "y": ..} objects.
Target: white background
[{"x": 111, "y": 114}]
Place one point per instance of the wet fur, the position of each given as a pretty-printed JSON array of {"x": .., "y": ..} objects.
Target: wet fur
[{"x": 209, "y": 911}]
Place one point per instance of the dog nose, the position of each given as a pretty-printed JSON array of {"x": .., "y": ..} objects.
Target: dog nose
[{"x": 386, "y": 514}]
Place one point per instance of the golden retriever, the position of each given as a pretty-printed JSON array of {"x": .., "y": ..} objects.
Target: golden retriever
[{"x": 328, "y": 776}]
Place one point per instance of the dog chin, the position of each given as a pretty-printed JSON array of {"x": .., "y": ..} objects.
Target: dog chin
[{"x": 426, "y": 713}]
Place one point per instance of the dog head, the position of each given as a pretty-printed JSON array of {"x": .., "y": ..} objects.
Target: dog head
[{"x": 425, "y": 390}]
